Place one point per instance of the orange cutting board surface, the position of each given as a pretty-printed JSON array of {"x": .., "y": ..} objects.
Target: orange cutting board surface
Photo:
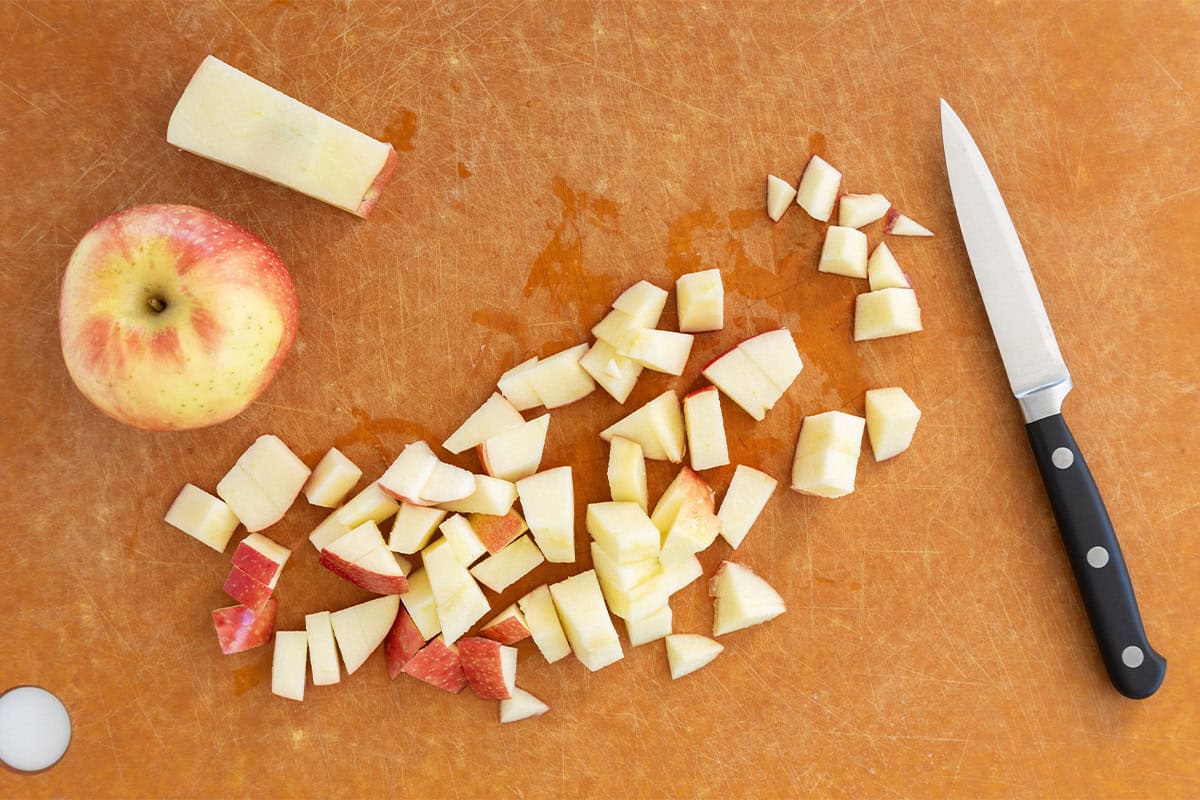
[{"x": 550, "y": 155}]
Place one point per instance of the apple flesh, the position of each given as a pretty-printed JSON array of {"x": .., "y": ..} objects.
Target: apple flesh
[
  {"x": 420, "y": 605},
  {"x": 403, "y": 641},
  {"x": 705, "y": 429},
  {"x": 892, "y": 419},
  {"x": 544, "y": 625},
  {"x": 514, "y": 385},
  {"x": 685, "y": 517},
  {"x": 495, "y": 416},
  {"x": 627, "y": 472},
  {"x": 688, "y": 652},
  {"x": 360, "y": 629},
  {"x": 741, "y": 599},
  {"x": 516, "y": 560},
  {"x": 661, "y": 351},
  {"x": 459, "y": 600},
  {"x": 844, "y": 252},
  {"x": 246, "y": 590},
  {"x": 491, "y": 496},
  {"x": 515, "y": 453},
  {"x": 409, "y": 473},
  {"x": 650, "y": 628},
  {"x": 413, "y": 527},
  {"x": 887, "y": 312},
  {"x": 656, "y": 426},
  {"x": 331, "y": 480},
  {"x": 362, "y": 557},
  {"x": 757, "y": 372},
  {"x": 496, "y": 531},
  {"x": 439, "y": 665},
  {"x": 883, "y": 270},
  {"x": 615, "y": 373},
  {"x": 775, "y": 353},
  {"x": 899, "y": 225},
  {"x": 263, "y": 484},
  {"x": 261, "y": 558},
  {"x": 827, "y": 453},
  {"x": 744, "y": 501},
  {"x": 446, "y": 484},
  {"x": 322, "y": 650},
  {"x": 548, "y": 500},
  {"x": 371, "y": 504},
  {"x": 624, "y": 531},
  {"x": 288, "y": 664},
  {"x": 463, "y": 541},
  {"x": 857, "y": 210},
  {"x": 205, "y": 518},
  {"x": 680, "y": 573},
  {"x": 231, "y": 118},
  {"x": 780, "y": 195},
  {"x": 490, "y": 667},
  {"x": 618, "y": 330},
  {"x": 584, "y": 614},
  {"x": 559, "y": 380},
  {"x": 522, "y": 705},
  {"x": 172, "y": 318},
  {"x": 818, "y": 189},
  {"x": 644, "y": 302},
  {"x": 240, "y": 628},
  {"x": 507, "y": 627},
  {"x": 700, "y": 300}
]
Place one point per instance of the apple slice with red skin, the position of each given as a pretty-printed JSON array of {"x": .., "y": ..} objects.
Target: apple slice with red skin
[
  {"x": 246, "y": 589},
  {"x": 438, "y": 664},
  {"x": 403, "y": 642},
  {"x": 897, "y": 224},
  {"x": 495, "y": 532},
  {"x": 362, "y": 558},
  {"x": 409, "y": 473},
  {"x": 507, "y": 627},
  {"x": 240, "y": 628},
  {"x": 490, "y": 667},
  {"x": 261, "y": 558}
]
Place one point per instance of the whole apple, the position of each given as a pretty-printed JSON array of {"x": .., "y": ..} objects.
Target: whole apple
[{"x": 173, "y": 318}]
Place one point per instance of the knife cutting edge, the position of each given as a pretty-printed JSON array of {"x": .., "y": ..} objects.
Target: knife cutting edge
[{"x": 1040, "y": 381}]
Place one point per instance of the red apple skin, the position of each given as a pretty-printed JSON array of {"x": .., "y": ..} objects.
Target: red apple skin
[
  {"x": 247, "y": 590},
  {"x": 481, "y": 451},
  {"x": 701, "y": 390},
  {"x": 172, "y": 318},
  {"x": 438, "y": 665},
  {"x": 403, "y": 642},
  {"x": 508, "y": 631},
  {"x": 254, "y": 563},
  {"x": 495, "y": 532},
  {"x": 377, "y": 186},
  {"x": 240, "y": 628},
  {"x": 481, "y": 664},
  {"x": 363, "y": 578}
]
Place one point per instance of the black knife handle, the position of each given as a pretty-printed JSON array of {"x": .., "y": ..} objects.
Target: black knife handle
[{"x": 1134, "y": 667}]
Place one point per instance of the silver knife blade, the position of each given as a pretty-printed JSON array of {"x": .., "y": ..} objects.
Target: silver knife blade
[{"x": 1036, "y": 370}]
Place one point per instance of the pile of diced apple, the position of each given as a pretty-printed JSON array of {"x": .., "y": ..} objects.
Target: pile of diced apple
[{"x": 487, "y": 530}]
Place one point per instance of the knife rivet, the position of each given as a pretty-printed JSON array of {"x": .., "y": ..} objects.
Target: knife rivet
[
  {"x": 1097, "y": 557},
  {"x": 1062, "y": 457},
  {"x": 1132, "y": 656}
]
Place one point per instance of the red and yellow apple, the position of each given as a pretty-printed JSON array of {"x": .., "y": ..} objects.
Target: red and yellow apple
[{"x": 173, "y": 318}]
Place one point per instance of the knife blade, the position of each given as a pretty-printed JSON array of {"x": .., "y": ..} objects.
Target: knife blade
[{"x": 1040, "y": 381}]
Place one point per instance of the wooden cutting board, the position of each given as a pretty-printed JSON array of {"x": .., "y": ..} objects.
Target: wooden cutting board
[{"x": 550, "y": 155}]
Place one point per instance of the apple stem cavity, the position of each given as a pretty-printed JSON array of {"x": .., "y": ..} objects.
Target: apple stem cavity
[{"x": 156, "y": 304}]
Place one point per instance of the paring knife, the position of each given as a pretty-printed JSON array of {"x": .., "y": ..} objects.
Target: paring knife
[{"x": 1040, "y": 380}]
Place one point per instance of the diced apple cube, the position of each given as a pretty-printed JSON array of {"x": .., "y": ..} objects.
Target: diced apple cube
[
  {"x": 844, "y": 252},
  {"x": 246, "y": 590},
  {"x": 332, "y": 478},
  {"x": 857, "y": 210},
  {"x": 644, "y": 302},
  {"x": 585, "y": 620},
  {"x": 288, "y": 664},
  {"x": 509, "y": 565},
  {"x": 409, "y": 473},
  {"x": 491, "y": 496},
  {"x": 459, "y": 600},
  {"x": 507, "y": 627},
  {"x": 627, "y": 472},
  {"x": 496, "y": 531},
  {"x": 362, "y": 558},
  {"x": 548, "y": 500},
  {"x": 522, "y": 705},
  {"x": 490, "y": 667},
  {"x": 883, "y": 270},
  {"x": 686, "y": 489},
  {"x": 775, "y": 353},
  {"x": 372, "y": 503},
  {"x": 247, "y": 500},
  {"x": 276, "y": 470},
  {"x": 420, "y": 605},
  {"x": 742, "y": 599},
  {"x": 495, "y": 416},
  {"x": 414, "y": 526},
  {"x": 205, "y": 518},
  {"x": 705, "y": 429},
  {"x": 688, "y": 652},
  {"x": 700, "y": 299},
  {"x": 322, "y": 651},
  {"x": 656, "y": 426},
  {"x": 624, "y": 530},
  {"x": 559, "y": 380},
  {"x": 240, "y": 628},
  {"x": 887, "y": 312},
  {"x": 892, "y": 419},
  {"x": 743, "y": 382},
  {"x": 780, "y": 195},
  {"x": 615, "y": 373},
  {"x": 744, "y": 501},
  {"x": 516, "y": 388},
  {"x": 636, "y": 601},
  {"x": 618, "y": 330},
  {"x": 544, "y": 624},
  {"x": 515, "y": 453},
  {"x": 403, "y": 641},
  {"x": 680, "y": 573},
  {"x": 899, "y": 225},
  {"x": 622, "y": 576},
  {"x": 818, "y": 189},
  {"x": 446, "y": 484},
  {"x": 827, "y": 454},
  {"x": 661, "y": 351},
  {"x": 463, "y": 540},
  {"x": 438, "y": 664},
  {"x": 261, "y": 558},
  {"x": 650, "y": 628}
]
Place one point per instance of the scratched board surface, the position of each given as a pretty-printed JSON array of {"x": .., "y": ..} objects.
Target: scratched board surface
[{"x": 549, "y": 155}]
